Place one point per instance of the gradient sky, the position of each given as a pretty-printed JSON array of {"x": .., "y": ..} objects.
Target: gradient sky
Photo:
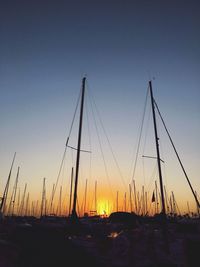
[{"x": 46, "y": 47}]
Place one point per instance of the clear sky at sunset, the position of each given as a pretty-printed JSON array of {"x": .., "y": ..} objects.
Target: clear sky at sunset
[{"x": 46, "y": 47}]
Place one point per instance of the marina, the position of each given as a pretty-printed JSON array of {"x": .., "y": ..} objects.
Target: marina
[
  {"x": 99, "y": 133},
  {"x": 122, "y": 238}
]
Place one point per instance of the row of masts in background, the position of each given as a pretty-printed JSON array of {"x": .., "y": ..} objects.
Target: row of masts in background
[
  {"x": 141, "y": 202},
  {"x": 141, "y": 199}
]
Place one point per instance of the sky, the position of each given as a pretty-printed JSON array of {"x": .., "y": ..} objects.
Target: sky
[{"x": 46, "y": 47}]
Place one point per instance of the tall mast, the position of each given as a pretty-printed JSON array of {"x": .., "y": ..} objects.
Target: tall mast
[
  {"x": 156, "y": 189},
  {"x": 22, "y": 202},
  {"x": 85, "y": 198},
  {"x": 32, "y": 208},
  {"x": 74, "y": 213},
  {"x": 166, "y": 199},
  {"x": 174, "y": 203},
  {"x": 52, "y": 195},
  {"x": 130, "y": 198},
  {"x": 36, "y": 209},
  {"x": 71, "y": 187},
  {"x": 117, "y": 198},
  {"x": 157, "y": 150},
  {"x": 125, "y": 201},
  {"x": 138, "y": 201},
  {"x": 95, "y": 196},
  {"x": 5, "y": 194},
  {"x": 136, "y": 207},
  {"x": 12, "y": 199},
  {"x": 43, "y": 199},
  {"x": 18, "y": 202},
  {"x": 143, "y": 201},
  {"x": 60, "y": 202},
  {"x": 15, "y": 192},
  {"x": 27, "y": 206},
  {"x": 171, "y": 207},
  {"x": 146, "y": 209}
]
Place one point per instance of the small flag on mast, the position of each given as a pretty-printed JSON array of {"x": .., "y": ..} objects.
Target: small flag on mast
[{"x": 153, "y": 197}]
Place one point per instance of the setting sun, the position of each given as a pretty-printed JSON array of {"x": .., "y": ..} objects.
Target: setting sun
[{"x": 104, "y": 207}]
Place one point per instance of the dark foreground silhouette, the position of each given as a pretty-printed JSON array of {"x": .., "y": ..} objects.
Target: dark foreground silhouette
[
  {"x": 42, "y": 247},
  {"x": 48, "y": 247},
  {"x": 121, "y": 241}
]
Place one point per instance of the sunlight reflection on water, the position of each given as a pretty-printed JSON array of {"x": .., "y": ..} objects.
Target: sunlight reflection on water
[{"x": 113, "y": 234}]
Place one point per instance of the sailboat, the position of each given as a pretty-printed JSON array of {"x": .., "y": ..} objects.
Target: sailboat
[
  {"x": 74, "y": 216},
  {"x": 155, "y": 107}
]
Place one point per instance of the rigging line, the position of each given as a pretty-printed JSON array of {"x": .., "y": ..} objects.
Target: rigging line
[
  {"x": 147, "y": 129},
  {"x": 140, "y": 135},
  {"x": 73, "y": 119},
  {"x": 89, "y": 138},
  {"x": 162, "y": 152},
  {"x": 66, "y": 147},
  {"x": 111, "y": 149},
  {"x": 143, "y": 170},
  {"x": 172, "y": 143},
  {"x": 72, "y": 157},
  {"x": 60, "y": 169},
  {"x": 98, "y": 136},
  {"x": 162, "y": 156},
  {"x": 63, "y": 170},
  {"x": 197, "y": 194},
  {"x": 91, "y": 203}
]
